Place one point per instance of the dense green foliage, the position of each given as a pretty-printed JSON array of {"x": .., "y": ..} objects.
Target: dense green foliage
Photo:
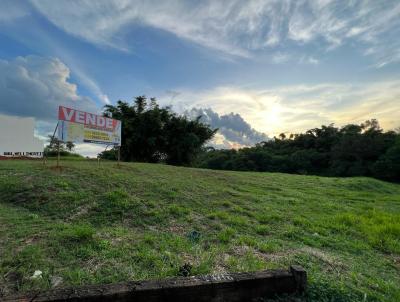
[
  {"x": 154, "y": 134},
  {"x": 92, "y": 223},
  {"x": 353, "y": 150}
]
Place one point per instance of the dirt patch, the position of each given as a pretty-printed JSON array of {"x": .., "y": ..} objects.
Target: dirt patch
[
  {"x": 18, "y": 158},
  {"x": 396, "y": 261},
  {"x": 32, "y": 240},
  {"x": 12, "y": 282},
  {"x": 189, "y": 258},
  {"x": 57, "y": 169},
  {"x": 29, "y": 178},
  {"x": 82, "y": 210},
  {"x": 241, "y": 250},
  {"x": 176, "y": 229},
  {"x": 270, "y": 257},
  {"x": 334, "y": 264},
  {"x": 220, "y": 269},
  {"x": 273, "y": 257}
]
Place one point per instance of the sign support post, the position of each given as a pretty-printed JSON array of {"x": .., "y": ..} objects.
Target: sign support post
[
  {"x": 119, "y": 155},
  {"x": 58, "y": 147},
  {"x": 44, "y": 156},
  {"x": 58, "y": 154}
]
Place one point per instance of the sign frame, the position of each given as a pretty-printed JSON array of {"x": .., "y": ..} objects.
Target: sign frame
[{"x": 84, "y": 127}]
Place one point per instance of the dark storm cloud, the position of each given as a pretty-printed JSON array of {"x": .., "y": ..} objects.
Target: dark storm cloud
[{"x": 232, "y": 127}]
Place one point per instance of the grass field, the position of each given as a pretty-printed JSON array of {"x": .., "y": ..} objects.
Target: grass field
[{"x": 100, "y": 224}]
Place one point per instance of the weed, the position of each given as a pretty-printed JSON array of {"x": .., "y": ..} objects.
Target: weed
[
  {"x": 226, "y": 235},
  {"x": 262, "y": 229}
]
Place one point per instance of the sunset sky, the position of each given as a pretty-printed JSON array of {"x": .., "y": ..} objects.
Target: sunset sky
[{"x": 283, "y": 66}]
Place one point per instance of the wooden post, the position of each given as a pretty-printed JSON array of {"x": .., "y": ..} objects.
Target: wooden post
[
  {"x": 119, "y": 155},
  {"x": 58, "y": 146},
  {"x": 58, "y": 154},
  {"x": 235, "y": 287}
]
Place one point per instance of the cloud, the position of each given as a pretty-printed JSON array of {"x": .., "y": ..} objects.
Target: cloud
[
  {"x": 279, "y": 58},
  {"x": 11, "y": 10},
  {"x": 236, "y": 27},
  {"x": 233, "y": 130},
  {"x": 36, "y": 86},
  {"x": 255, "y": 106},
  {"x": 298, "y": 108},
  {"x": 90, "y": 150},
  {"x": 308, "y": 60},
  {"x": 73, "y": 62}
]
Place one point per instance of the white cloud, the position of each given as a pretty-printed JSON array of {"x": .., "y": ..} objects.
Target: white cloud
[
  {"x": 308, "y": 60},
  {"x": 36, "y": 86},
  {"x": 234, "y": 27},
  {"x": 301, "y": 107},
  {"x": 73, "y": 62},
  {"x": 279, "y": 58},
  {"x": 261, "y": 110},
  {"x": 11, "y": 10},
  {"x": 90, "y": 150}
]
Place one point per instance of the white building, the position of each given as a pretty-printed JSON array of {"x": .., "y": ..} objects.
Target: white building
[{"x": 17, "y": 137}]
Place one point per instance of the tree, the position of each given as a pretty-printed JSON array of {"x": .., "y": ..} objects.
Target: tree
[
  {"x": 109, "y": 154},
  {"x": 183, "y": 139},
  {"x": 388, "y": 165},
  {"x": 70, "y": 146},
  {"x": 154, "y": 134},
  {"x": 55, "y": 145}
]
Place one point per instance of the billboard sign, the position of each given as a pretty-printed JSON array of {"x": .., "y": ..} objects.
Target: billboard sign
[{"x": 83, "y": 127}]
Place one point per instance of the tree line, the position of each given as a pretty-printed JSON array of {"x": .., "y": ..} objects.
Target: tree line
[
  {"x": 151, "y": 133},
  {"x": 352, "y": 150}
]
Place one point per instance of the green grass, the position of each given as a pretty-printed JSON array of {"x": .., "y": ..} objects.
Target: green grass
[{"x": 91, "y": 224}]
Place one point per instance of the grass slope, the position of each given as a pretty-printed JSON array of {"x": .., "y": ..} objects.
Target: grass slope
[{"x": 90, "y": 224}]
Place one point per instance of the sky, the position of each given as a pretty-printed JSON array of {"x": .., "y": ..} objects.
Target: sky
[{"x": 253, "y": 68}]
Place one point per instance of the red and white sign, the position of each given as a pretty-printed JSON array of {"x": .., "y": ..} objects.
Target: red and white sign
[
  {"x": 89, "y": 119},
  {"x": 81, "y": 126}
]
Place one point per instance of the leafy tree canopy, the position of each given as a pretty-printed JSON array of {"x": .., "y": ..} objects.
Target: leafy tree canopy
[
  {"x": 352, "y": 150},
  {"x": 54, "y": 145},
  {"x": 153, "y": 134}
]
